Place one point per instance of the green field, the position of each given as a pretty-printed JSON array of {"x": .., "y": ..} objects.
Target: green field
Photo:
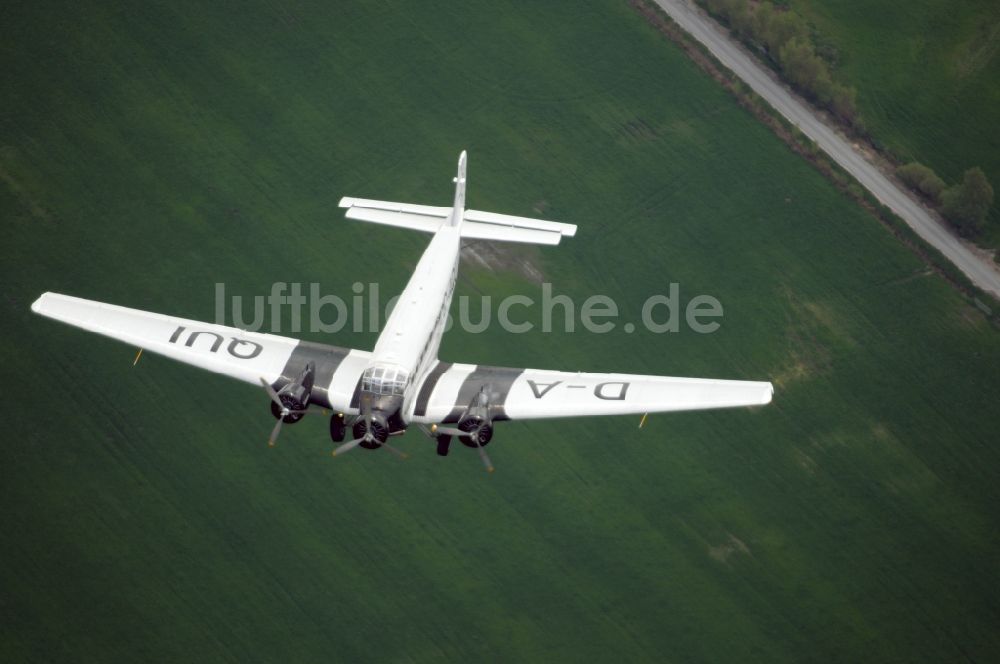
[
  {"x": 148, "y": 153},
  {"x": 928, "y": 78}
]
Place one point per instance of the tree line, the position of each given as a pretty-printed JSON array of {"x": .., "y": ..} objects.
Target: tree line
[
  {"x": 787, "y": 41},
  {"x": 965, "y": 204}
]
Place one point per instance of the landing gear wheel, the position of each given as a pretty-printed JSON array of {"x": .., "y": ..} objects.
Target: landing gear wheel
[
  {"x": 443, "y": 442},
  {"x": 337, "y": 427}
]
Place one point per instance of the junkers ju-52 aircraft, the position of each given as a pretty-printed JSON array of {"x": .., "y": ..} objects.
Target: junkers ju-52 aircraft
[{"x": 401, "y": 382}]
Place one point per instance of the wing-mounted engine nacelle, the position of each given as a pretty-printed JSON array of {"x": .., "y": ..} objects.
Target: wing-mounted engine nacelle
[
  {"x": 475, "y": 428},
  {"x": 477, "y": 421},
  {"x": 476, "y": 431},
  {"x": 295, "y": 395}
]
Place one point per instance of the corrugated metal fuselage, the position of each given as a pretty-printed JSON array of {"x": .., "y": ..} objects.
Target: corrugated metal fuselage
[{"x": 413, "y": 331}]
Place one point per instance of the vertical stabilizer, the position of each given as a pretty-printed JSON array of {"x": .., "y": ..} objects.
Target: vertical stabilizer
[{"x": 458, "y": 209}]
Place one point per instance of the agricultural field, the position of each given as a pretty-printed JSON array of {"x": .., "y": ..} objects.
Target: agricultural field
[
  {"x": 147, "y": 154},
  {"x": 928, "y": 78}
]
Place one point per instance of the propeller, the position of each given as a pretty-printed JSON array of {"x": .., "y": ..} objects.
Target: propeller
[
  {"x": 370, "y": 436},
  {"x": 449, "y": 431},
  {"x": 285, "y": 412},
  {"x": 395, "y": 450},
  {"x": 472, "y": 434},
  {"x": 487, "y": 464},
  {"x": 349, "y": 445}
]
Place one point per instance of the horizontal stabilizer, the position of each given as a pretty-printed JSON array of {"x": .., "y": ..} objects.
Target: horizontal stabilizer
[
  {"x": 417, "y": 222},
  {"x": 567, "y": 230},
  {"x": 427, "y": 210},
  {"x": 475, "y": 225},
  {"x": 475, "y": 230}
]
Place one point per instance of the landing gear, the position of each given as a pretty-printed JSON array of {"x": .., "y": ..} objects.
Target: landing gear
[
  {"x": 443, "y": 443},
  {"x": 338, "y": 427}
]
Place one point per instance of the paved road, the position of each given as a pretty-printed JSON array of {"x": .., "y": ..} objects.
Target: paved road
[{"x": 980, "y": 270}]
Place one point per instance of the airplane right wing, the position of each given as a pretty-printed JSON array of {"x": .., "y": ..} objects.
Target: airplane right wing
[
  {"x": 239, "y": 354},
  {"x": 516, "y": 394}
]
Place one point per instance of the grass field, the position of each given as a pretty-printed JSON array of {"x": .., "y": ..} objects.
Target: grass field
[
  {"x": 927, "y": 74},
  {"x": 147, "y": 154}
]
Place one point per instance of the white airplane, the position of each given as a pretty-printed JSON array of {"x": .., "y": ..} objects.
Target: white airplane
[{"x": 401, "y": 382}]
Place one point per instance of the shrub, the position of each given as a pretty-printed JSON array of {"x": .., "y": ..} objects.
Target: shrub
[
  {"x": 789, "y": 43},
  {"x": 741, "y": 19},
  {"x": 773, "y": 29},
  {"x": 800, "y": 63},
  {"x": 844, "y": 104},
  {"x": 923, "y": 180},
  {"x": 966, "y": 204}
]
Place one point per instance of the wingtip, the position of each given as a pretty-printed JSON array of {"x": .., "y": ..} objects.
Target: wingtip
[{"x": 39, "y": 304}]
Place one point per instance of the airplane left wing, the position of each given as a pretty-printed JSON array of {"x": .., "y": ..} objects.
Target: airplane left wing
[
  {"x": 516, "y": 394},
  {"x": 246, "y": 356}
]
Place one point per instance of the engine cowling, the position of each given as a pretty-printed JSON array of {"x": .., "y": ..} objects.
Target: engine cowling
[
  {"x": 295, "y": 396},
  {"x": 380, "y": 432},
  {"x": 479, "y": 430}
]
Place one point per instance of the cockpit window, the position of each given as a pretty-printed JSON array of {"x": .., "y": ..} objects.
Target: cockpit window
[{"x": 385, "y": 380}]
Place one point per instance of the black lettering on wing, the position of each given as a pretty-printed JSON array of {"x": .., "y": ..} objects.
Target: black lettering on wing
[
  {"x": 194, "y": 335},
  {"x": 238, "y": 348},
  {"x": 257, "y": 349},
  {"x": 606, "y": 391},
  {"x": 541, "y": 393}
]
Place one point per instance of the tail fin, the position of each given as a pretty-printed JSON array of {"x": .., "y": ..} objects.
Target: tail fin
[{"x": 458, "y": 209}]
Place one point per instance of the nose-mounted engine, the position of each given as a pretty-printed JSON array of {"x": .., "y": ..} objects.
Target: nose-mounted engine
[
  {"x": 381, "y": 400},
  {"x": 374, "y": 424}
]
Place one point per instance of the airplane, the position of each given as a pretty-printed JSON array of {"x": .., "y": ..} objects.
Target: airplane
[{"x": 401, "y": 382}]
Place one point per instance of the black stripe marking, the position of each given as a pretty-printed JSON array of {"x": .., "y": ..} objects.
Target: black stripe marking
[
  {"x": 326, "y": 360},
  {"x": 427, "y": 389},
  {"x": 356, "y": 397},
  {"x": 498, "y": 380}
]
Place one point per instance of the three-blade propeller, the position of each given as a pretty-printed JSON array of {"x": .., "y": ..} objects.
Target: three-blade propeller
[
  {"x": 368, "y": 437},
  {"x": 351, "y": 444},
  {"x": 283, "y": 409},
  {"x": 473, "y": 435}
]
